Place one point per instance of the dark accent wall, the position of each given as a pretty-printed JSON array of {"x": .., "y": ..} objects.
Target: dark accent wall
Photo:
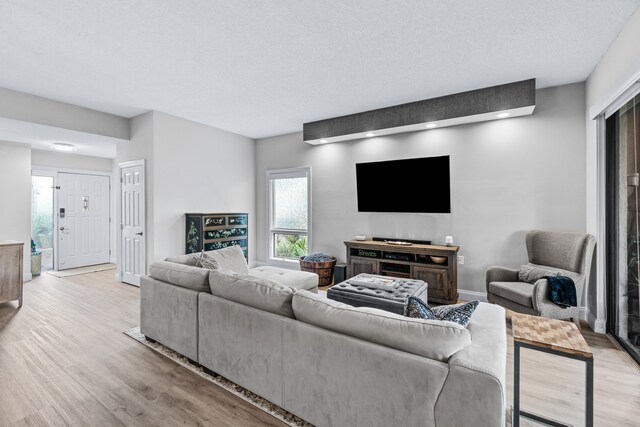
[{"x": 479, "y": 101}]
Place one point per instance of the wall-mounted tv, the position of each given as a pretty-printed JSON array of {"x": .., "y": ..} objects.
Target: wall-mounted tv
[{"x": 411, "y": 185}]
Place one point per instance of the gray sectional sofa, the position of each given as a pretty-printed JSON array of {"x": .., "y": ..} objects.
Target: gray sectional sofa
[{"x": 268, "y": 330}]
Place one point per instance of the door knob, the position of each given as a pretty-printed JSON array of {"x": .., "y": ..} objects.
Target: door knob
[
  {"x": 61, "y": 228},
  {"x": 139, "y": 234}
]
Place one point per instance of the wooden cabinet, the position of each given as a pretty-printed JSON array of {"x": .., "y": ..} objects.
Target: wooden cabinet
[
  {"x": 11, "y": 271},
  {"x": 359, "y": 266},
  {"x": 411, "y": 261},
  {"x": 211, "y": 231},
  {"x": 437, "y": 280}
]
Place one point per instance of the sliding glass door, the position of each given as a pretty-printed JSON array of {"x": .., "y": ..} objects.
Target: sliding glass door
[{"x": 623, "y": 225}]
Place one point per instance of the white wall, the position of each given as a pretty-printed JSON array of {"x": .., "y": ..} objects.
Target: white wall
[
  {"x": 15, "y": 194},
  {"x": 507, "y": 176},
  {"x": 618, "y": 68},
  {"x": 617, "y": 65},
  {"x": 51, "y": 159},
  {"x": 190, "y": 167},
  {"x": 35, "y": 109},
  {"x": 199, "y": 169}
]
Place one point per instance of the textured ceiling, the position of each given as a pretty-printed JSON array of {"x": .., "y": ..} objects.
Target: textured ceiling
[{"x": 264, "y": 68}]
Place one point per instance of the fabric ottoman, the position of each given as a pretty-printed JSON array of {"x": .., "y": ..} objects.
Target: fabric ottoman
[{"x": 391, "y": 299}]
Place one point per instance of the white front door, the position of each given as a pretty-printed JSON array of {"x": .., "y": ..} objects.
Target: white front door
[
  {"x": 133, "y": 263},
  {"x": 83, "y": 220}
]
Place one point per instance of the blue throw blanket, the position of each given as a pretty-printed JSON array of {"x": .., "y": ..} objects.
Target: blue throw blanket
[{"x": 562, "y": 291}]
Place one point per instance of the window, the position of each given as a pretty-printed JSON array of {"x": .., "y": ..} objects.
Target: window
[{"x": 289, "y": 197}]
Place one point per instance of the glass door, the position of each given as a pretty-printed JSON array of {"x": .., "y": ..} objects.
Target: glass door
[
  {"x": 623, "y": 225},
  {"x": 42, "y": 218}
]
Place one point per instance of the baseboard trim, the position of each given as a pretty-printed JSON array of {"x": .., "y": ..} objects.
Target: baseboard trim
[
  {"x": 598, "y": 325},
  {"x": 471, "y": 295}
]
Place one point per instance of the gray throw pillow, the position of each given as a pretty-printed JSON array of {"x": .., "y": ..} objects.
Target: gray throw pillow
[
  {"x": 205, "y": 261},
  {"x": 531, "y": 274}
]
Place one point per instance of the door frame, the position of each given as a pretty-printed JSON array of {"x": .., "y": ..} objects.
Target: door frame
[
  {"x": 119, "y": 206},
  {"x": 53, "y": 171}
]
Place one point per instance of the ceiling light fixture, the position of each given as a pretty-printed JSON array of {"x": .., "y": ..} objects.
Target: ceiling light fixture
[
  {"x": 63, "y": 146},
  {"x": 474, "y": 106}
]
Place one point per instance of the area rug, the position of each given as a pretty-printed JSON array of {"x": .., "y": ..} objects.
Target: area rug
[
  {"x": 82, "y": 270},
  {"x": 220, "y": 381}
]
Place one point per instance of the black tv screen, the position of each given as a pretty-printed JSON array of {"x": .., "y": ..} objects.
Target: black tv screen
[{"x": 410, "y": 185}]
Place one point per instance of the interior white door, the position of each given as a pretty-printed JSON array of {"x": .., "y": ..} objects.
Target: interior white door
[
  {"x": 133, "y": 262},
  {"x": 83, "y": 220}
]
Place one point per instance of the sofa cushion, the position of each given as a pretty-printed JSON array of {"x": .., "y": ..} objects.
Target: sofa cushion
[
  {"x": 518, "y": 292},
  {"x": 253, "y": 291},
  {"x": 434, "y": 339},
  {"x": 230, "y": 258},
  {"x": 194, "y": 278},
  {"x": 292, "y": 278}
]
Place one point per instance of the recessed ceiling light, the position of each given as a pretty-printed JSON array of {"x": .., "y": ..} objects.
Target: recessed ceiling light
[
  {"x": 431, "y": 125},
  {"x": 502, "y": 115},
  {"x": 323, "y": 141},
  {"x": 369, "y": 134},
  {"x": 63, "y": 146}
]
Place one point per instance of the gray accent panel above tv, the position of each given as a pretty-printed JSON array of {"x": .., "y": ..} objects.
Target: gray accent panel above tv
[{"x": 480, "y": 101}]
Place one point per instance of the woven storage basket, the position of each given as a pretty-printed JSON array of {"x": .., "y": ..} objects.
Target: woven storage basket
[{"x": 324, "y": 270}]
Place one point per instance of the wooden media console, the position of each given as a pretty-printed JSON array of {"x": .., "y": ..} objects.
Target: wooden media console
[{"x": 412, "y": 261}]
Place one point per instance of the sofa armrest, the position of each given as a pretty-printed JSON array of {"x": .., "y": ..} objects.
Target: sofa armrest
[
  {"x": 169, "y": 315},
  {"x": 500, "y": 274},
  {"x": 541, "y": 301},
  {"x": 475, "y": 390}
]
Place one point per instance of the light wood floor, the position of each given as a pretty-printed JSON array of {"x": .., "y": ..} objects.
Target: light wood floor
[
  {"x": 65, "y": 361},
  {"x": 555, "y": 386}
]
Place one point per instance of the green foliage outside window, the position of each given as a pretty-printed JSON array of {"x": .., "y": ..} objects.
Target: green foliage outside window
[{"x": 290, "y": 246}]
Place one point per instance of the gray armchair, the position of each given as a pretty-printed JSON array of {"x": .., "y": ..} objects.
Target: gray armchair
[{"x": 525, "y": 290}]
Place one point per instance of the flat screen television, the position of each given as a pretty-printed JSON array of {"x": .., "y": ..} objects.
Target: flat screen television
[{"x": 419, "y": 185}]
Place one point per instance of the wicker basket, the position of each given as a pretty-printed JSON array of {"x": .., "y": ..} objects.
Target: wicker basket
[{"x": 324, "y": 270}]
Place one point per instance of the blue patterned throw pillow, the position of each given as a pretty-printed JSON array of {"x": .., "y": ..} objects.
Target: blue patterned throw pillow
[
  {"x": 415, "y": 307},
  {"x": 458, "y": 313}
]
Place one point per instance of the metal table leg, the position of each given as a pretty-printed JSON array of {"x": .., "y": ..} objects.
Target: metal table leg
[
  {"x": 516, "y": 385},
  {"x": 589, "y": 393}
]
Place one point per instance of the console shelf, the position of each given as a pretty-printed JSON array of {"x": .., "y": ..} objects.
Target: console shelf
[{"x": 412, "y": 261}]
